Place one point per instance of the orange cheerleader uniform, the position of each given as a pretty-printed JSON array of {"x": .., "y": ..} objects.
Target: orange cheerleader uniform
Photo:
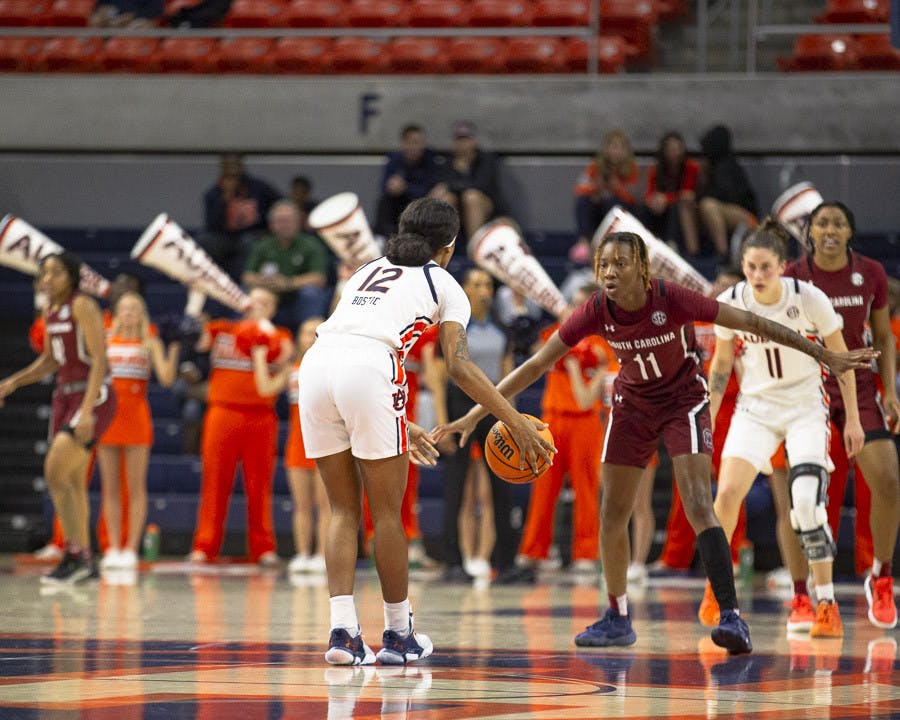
[
  {"x": 129, "y": 366},
  {"x": 294, "y": 452}
]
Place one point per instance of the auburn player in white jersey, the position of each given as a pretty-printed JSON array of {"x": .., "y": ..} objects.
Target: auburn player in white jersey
[
  {"x": 352, "y": 411},
  {"x": 783, "y": 398}
]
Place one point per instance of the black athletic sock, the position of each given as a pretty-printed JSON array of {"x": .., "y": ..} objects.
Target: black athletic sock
[{"x": 716, "y": 557}]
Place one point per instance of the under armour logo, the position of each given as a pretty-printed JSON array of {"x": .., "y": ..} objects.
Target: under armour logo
[
  {"x": 399, "y": 399},
  {"x": 609, "y": 328},
  {"x": 618, "y": 398}
]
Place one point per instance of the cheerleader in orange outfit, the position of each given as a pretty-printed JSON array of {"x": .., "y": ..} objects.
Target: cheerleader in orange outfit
[
  {"x": 240, "y": 426},
  {"x": 311, "y": 509},
  {"x": 574, "y": 419},
  {"x": 132, "y": 351}
]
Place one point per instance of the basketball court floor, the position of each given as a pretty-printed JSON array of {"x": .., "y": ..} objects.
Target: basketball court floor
[{"x": 232, "y": 642}]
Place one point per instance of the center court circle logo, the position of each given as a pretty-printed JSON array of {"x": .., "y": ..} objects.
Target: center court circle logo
[{"x": 658, "y": 318}]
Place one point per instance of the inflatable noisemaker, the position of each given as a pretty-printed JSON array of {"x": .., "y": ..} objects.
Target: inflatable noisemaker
[
  {"x": 664, "y": 261},
  {"x": 22, "y": 247},
  {"x": 341, "y": 222},
  {"x": 793, "y": 207},
  {"x": 164, "y": 246},
  {"x": 498, "y": 247}
]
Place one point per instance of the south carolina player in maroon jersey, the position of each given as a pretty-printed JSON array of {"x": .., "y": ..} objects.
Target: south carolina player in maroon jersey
[
  {"x": 857, "y": 288},
  {"x": 83, "y": 404},
  {"x": 660, "y": 390}
]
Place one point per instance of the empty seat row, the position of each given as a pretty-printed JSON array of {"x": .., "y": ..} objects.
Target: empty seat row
[
  {"x": 842, "y": 53},
  {"x": 308, "y": 55}
]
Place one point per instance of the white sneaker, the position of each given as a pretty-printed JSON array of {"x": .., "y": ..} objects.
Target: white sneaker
[
  {"x": 197, "y": 557},
  {"x": 127, "y": 559},
  {"x": 584, "y": 567},
  {"x": 637, "y": 573},
  {"x": 268, "y": 560},
  {"x": 112, "y": 559},
  {"x": 298, "y": 564},
  {"x": 779, "y": 579},
  {"x": 316, "y": 565},
  {"x": 477, "y": 568},
  {"x": 49, "y": 552}
]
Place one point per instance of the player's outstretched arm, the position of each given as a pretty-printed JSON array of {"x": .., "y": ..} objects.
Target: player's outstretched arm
[
  {"x": 838, "y": 362},
  {"x": 720, "y": 368}
]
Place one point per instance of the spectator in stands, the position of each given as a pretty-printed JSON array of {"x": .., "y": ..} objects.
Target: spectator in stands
[
  {"x": 202, "y": 14},
  {"x": 291, "y": 263},
  {"x": 490, "y": 351},
  {"x": 241, "y": 426},
  {"x": 127, "y": 13},
  {"x": 671, "y": 197},
  {"x": 471, "y": 180},
  {"x": 235, "y": 212},
  {"x": 610, "y": 179},
  {"x": 301, "y": 194},
  {"x": 132, "y": 351},
  {"x": 409, "y": 173},
  {"x": 727, "y": 200},
  {"x": 521, "y": 319}
]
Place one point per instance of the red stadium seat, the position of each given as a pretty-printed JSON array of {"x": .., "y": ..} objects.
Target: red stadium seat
[
  {"x": 635, "y": 21},
  {"x": 418, "y": 55},
  {"x": 534, "y": 55},
  {"x": 877, "y": 53},
  {"x": 500, "y": 13},
  {"x": 820, "y": 53},
  {"x": 190, "y": 55},
  {"x": 306, "y": 56},
  {"x": 855, "y": 11},
  {"x": 245, "y": 55},
  {"x": 438, "y": 13},
  {"x": 20, "y": 54},
  {"x": 476, "y": 55},
  {"x": 668, "y": 10},
  {"x": 255, "y": 13},
  {"x": 18, "y": 13},
  {"x": 71, "y": 54},
  {"x": 314, "y": 13},
  {"x": 561, "y": 13},
  {"x": 358, "y": 55},
  {"x": 611, "y": 54},
  {"x": 376, "y": 13},
  {"x": 68, "y": 13},
  {"x": 129, "y": 54}
]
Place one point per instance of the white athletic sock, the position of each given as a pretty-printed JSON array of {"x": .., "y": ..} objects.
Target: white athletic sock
[
  {"x": 622, "y": 601},
  {"x": 876, "y": 567},
  {"x": 396, "y": 617},
  {"x": 825, "y": 592},
  {"x": 343, "y": 614}
]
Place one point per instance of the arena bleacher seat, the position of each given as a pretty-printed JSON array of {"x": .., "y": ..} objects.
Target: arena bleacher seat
[
  {"x": 611, "y": 54},
  {"x": 358, "y": 55},
  {"x": 255, "y": 13},
  {"x": 376, "y": 13},
  {"x": 818, "y": 53},
  {"x": 635, "y": 22},
  {"x": 191, "y": 55},
  {"x": 68, "y": 13},
  {"x": 245, "y": 55},
  {"x": 438, "y": 13},
  {"x": 535, "y": 55},
  {"x": 855, "y": 11},
  {"x": 418, "y": 55},
  {"x": 70, "y": 54},
  {"x": 500, "y": 13},
  {"x": 21, "y": 13},
  {"x": 560, "y": 13},
  {"x": 875, "y": 52},
  {"x": 302, "y": 55},
  {"x": 20, "y": 54},
  {"x": 314, "y": 14},
  {"x": 476, "y": 55},
  {"x": 129, "y": 54}
]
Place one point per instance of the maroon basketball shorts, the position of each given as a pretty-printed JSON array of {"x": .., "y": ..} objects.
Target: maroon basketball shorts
[
  {"x": 66, "y": 408},
  {"x": 871, "y": 414}
]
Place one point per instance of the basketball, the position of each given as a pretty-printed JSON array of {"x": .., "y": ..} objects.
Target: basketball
[{"x": 502, "y": 454}]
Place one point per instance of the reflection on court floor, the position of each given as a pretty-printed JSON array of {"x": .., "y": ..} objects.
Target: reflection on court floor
[{"x": 250, "y": 646}]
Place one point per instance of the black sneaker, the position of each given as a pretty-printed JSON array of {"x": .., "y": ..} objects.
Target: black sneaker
[{"x": 72, "y": 569}]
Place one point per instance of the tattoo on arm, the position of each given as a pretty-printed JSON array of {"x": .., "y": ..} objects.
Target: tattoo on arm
[
  {"x": 782, "y": 335},
  {"x": 462, "y": 346},
  {"x": 718, "y": 382}
]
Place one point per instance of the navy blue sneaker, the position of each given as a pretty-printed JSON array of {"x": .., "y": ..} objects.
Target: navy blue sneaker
[
  {"x": 611, "y": 629},
  {"x": 345, "y": 649},
  {"x": 732, "y": 633},
  {"x": 397, "y": 650}
]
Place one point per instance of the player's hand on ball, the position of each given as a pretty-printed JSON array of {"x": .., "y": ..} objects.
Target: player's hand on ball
[
  {"x": 533, "y": 447},
  {"x": 421, "y": 449}
]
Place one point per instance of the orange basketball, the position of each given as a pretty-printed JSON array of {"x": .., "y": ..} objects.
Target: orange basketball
[{"x": 502, "y": 454}]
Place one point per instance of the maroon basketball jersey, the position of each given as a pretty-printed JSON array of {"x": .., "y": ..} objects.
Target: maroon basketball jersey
[
  {"x": 67, "y": 344},
  {"x": 854, "y": 291},
  {"x": 656, "y": 345}
]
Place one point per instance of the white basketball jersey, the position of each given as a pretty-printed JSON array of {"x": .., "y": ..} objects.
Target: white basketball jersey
[
  {"x": 775, "y": 370},
  {"x": 395, "y": 304}
]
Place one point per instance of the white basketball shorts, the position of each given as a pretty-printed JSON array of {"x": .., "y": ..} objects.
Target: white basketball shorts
[{"x": 352, "y": 395}]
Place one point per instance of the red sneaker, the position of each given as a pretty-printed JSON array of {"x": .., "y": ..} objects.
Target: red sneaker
[
  {"x": 828, "y": 621},
  {"x": 880, "y": 594},
  {"x": 802, "y": 614}
]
